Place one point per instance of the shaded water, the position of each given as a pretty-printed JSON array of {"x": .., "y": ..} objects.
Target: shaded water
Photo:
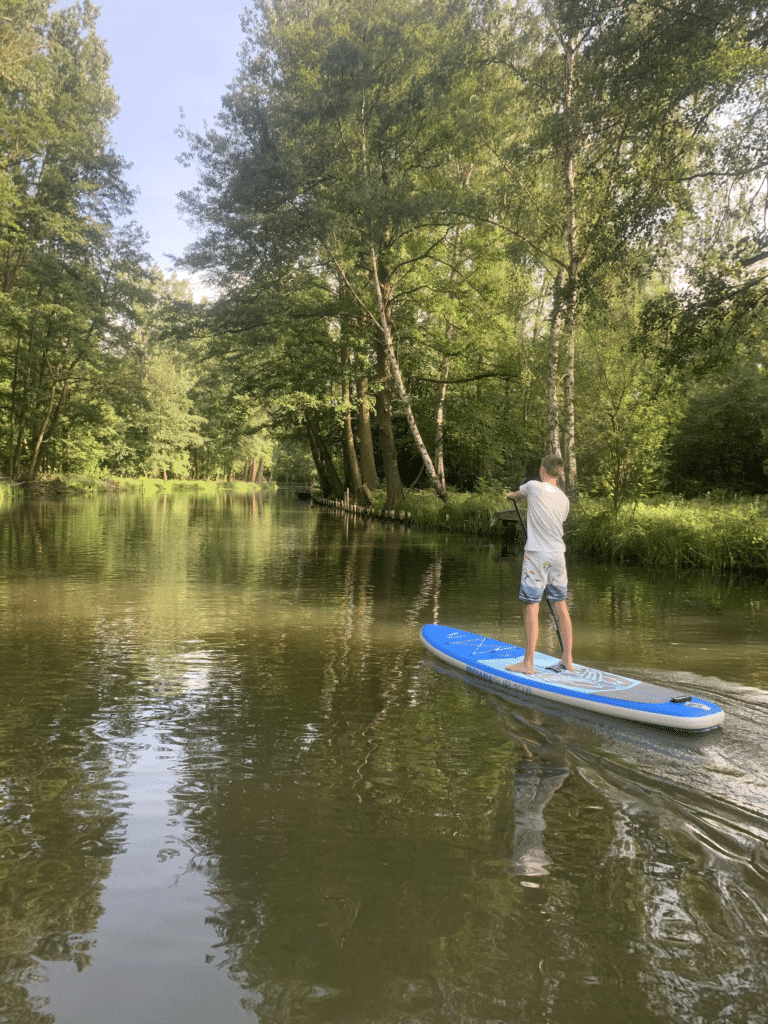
[{"x": 235, "y": 788}]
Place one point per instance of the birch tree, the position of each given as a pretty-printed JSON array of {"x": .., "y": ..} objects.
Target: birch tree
[
  {"x": 623, "y": 102},
  {"x": 336, "y": 146}
]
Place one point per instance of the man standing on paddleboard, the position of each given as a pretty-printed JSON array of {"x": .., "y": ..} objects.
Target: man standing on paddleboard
[{"x": 544, "y": 572}]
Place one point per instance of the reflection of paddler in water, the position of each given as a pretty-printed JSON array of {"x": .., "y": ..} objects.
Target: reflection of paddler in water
[{"x": 534, "y": 786}]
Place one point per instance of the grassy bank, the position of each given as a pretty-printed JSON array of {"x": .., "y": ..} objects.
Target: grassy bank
[
  {"x": 62, "y": 484},
  {"x": 721, "y": 533},
  {"x": 8, "y": 491},
  {"x": 711, "y": 533},
  {"x": 152, "y": 485},
  {"x": 464, "y": 513}
]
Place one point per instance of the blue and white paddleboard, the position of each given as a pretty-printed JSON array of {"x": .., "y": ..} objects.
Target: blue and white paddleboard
[{"x": 604, "y": 692}]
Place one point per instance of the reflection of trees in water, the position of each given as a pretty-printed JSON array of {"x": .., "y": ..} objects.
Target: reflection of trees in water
[
  {"x": 366, "y": 836},
  {"x": 325, "y": 877},
  {"x": 697, "y": 905},
  {"x": 74, "y": 689},
  {"x": 343, "y": 835},
  {"x": 60, "y": 828},
  {"x": 364, "y": 825}
]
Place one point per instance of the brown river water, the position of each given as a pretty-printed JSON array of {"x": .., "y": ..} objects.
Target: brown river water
[{"x": 236, "y": 788}]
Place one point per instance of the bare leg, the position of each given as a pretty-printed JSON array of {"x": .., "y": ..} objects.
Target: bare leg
[
  {"x": 531, "y": 639},
  {"x": 566, "y": 632}
]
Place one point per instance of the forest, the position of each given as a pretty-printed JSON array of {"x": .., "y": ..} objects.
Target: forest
[{"x": 441, "y": 238}]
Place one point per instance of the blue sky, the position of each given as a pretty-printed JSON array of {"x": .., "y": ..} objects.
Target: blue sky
[{"x": 165, "y": 56}]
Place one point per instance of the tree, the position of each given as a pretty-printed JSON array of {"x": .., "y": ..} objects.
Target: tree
[
  {"x": 59, "y": 332},
  {"x": 59, "y": 172},
  {"x": 372, "y": 161},
  {"x": 629, "y": 405},
  {"x": 60, "y": 186},
  {"x": 168, "y": 430},
  {"x": 722, "y": 440},
  {"x": 719, "y": 314},
  {"x": 336, "y": 156},
  {"x": 623, "y": 101}
]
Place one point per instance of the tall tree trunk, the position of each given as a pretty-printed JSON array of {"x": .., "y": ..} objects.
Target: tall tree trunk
[
  {"x": 12, "y": 413},
  {"x": 442, "y": 391},
  {"x": 21, "y": 400},
  {"x": 365, "y": 436},
  {"x": 53, "y": 413},
  {"x": 32, "y": 471},
  {"x": 352, "y": 466},
  {"x": 572, "y": 289},
  {"x": 317, "y": 457},
  {"x": 392, "y": 480},
  {"x": 383, "y": 299},
  {"x": 569, "y": 403},
  {"x": 330, "y": 481},
  {"x": 445, "y": 365},
  {"x": 18, "y": 444},
  {"x": 479, "y": 392},
  {"x": 553, "y": 368}
]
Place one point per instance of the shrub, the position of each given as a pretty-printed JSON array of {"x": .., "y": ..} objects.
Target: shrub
[{"x": 710, "y": 532}]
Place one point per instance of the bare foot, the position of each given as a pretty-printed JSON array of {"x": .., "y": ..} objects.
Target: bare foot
[
  {"x": 521, "y": 666},
  {"x": 570, "y": 667}
]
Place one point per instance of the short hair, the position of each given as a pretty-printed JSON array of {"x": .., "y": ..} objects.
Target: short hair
[{"x": 553, "y": 465}]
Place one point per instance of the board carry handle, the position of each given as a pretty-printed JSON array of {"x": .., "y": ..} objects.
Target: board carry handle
[{"x": 551, "y": 609}]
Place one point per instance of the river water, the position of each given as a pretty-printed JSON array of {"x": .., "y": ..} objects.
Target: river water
[{"x": 236, "y": 788}]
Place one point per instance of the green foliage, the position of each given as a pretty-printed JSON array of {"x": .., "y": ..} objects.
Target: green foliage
[
  {"x": 462, "y": 513},
  {"x": 8, "y": 491},
  {"x": 710, "y": 533},
  {"x": 68, "y": 276},
  {"x": 167, "y": 428},
  {"x": 628, "y": 405},
  {"x": 720, "y": 317},
  {"x": 446, "y": 151},
  {"x": 722, "y": 440}
]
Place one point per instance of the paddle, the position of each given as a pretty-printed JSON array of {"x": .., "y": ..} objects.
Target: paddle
[{"x": 551, "y": 609}]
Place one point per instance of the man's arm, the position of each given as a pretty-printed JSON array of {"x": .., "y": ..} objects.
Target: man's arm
[{"x": 512, "y": 495}]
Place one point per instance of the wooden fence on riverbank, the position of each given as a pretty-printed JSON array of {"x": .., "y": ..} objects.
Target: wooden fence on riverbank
[
  {"x": 506, "y": 524},
  {"x": 349, "y": 507}
]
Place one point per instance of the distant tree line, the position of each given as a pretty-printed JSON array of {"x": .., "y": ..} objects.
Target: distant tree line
[{"x": 445, "y": 237}]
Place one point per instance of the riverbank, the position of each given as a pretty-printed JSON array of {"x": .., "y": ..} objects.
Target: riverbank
[
  {"x": 61, "y": 485},
  {"x": 721, "y": 533}
]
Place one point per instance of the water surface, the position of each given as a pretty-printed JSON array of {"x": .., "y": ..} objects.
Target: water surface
[{"x": 235, "y": 787}]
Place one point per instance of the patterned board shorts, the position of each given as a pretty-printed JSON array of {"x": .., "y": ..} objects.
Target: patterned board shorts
[{"x": 543, "y": 574}]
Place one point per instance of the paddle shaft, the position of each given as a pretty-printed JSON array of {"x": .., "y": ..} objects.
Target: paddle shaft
[{"x": 551, "y": 609}]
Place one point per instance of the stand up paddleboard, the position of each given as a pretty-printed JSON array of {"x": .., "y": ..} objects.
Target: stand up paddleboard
[{"x": 604, "y": 692}]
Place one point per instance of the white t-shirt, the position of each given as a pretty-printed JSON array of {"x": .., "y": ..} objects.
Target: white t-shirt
[{"x": 548, "y": 509}]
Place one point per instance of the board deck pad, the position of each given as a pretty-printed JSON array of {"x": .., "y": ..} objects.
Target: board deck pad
[{"x": 596, "y": 689}]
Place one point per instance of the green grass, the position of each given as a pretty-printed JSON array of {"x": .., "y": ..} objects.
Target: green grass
[
  {"x": 717, "y": 532},
  {"x": 713, "y": 533},
  {"x": 9, "y": 492},
  {"x": 463, "y": 513},
  {"x": 78, "y": 484}
]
